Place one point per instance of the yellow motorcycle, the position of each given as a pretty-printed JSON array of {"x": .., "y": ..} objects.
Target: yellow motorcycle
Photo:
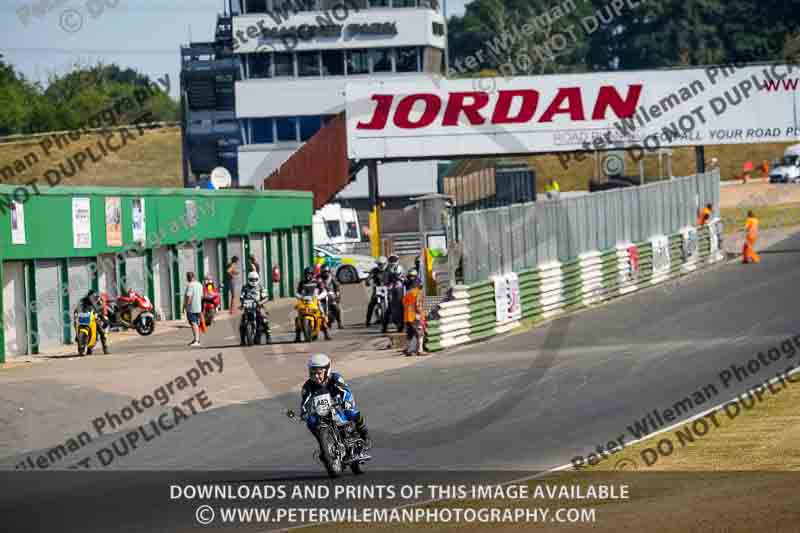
[
  {"x": 85, "y": 331},
  {"x": 310, "y": 318}
]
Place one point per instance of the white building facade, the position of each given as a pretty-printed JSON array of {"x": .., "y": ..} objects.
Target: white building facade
[{"x": 296, "y": 59}]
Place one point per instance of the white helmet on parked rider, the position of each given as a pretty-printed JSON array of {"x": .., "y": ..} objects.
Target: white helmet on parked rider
[
  {"x": 319, "y": 360},
  {"x": 253, "y": 278},
  {"x": 381, "y": 262}
]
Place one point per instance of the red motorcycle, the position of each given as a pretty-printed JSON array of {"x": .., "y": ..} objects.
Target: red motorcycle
[
  {"x": 133, "y": 311},
  {"x": 211, "y": 301}
]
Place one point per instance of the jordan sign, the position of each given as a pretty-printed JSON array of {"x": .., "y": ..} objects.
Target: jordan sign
[{"x": 429, "y": 117}]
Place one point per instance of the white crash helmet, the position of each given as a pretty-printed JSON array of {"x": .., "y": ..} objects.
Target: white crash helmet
[
  {"x": 319, "y": 360},
  {"x": 253, "y": 278},
  {"x": 381, "y": 262}
]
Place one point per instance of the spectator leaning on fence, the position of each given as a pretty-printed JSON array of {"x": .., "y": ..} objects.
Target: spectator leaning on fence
[{"x": 705, "y": 215}]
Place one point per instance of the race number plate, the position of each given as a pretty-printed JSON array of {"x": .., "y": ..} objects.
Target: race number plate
[
  {"x": 84, "y": 319},
  {"x": 322, "y": 404}
]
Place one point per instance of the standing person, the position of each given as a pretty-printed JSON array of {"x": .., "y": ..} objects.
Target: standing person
[
  {"x": 232, "y": 281},
  {"x": 413, "y": 314},
  {"x": 705, "y": 215},
  {"x": 193, "y": 306},
  {"x": 749, "y": 254},
  {"x": 377, "y": 277},
  {"x": 334, "y": 295},
  {"x": 252, "y": 265}
]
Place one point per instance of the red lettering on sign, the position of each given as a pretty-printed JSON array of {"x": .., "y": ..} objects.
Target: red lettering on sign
[
  {"x": 381, "y": 114},
  {"x": 455, "y": 105},
  {"x": 432, "y": 106},
  {"x": 609, "y": 97},
  {"x": 572, "y": 95},
  {"x": 530, "y": 99}
]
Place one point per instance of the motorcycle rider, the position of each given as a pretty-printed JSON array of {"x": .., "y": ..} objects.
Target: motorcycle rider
[
  {"x": 320, "y": 381},
  {"x": 91, "y": 302},
  {"x": 254, "y": 291},
  {"x": 309, "y": 286},
  {"x": 334, "y": 294},
  {"x": 376, "y": 278},
  {"x": 394, "y": 279},
  {"x": 210, "y": 293}
]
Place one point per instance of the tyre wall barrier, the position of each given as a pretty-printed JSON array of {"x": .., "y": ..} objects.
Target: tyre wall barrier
[{"x": 551, "y": 289}]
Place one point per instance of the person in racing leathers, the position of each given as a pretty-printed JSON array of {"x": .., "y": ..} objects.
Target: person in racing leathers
[
  {"x": 320, "y": 381},
  {"x": 395, "y": 276},
  {"x": 310, "y": 286},
  {"x": 334, "y": 295},
  {"x": 254, "y": 291},
  {"x": 377, "y": 277}
]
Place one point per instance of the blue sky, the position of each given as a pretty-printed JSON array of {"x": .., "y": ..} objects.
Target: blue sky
[{"x": 140, "y": 34}]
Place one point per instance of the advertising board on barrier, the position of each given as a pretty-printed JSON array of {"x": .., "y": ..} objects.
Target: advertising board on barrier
[
  {"x": 713, "y": 236},
  {"x": 592, "y": 111},
  {"x": 508, "y": 304},
  {"x": 631, "y": 273},
  {"x": 661, "y": 258},
  {"x": 689, "y": 244}
]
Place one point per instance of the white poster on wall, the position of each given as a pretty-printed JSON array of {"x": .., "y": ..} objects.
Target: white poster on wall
[
  {"x": 139, "y": 227},
  {"x": 17, "y": 223},
  {"x": 81, "y": 223},
  {"x": 507, "y": 298},
  {"x": 661, "y": 258},
  {"x": 689, "y": 244}
]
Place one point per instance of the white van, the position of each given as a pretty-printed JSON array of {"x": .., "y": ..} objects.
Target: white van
[
  {"x": 336, "y": 225},
  {"x": 787, "y": 170}
]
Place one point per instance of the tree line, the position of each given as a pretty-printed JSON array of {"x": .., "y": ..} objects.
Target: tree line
[
  {"x": 68, "y": 101},
  {"x": 642, "y": 34}
]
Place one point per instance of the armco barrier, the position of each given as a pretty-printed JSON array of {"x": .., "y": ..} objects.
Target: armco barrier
[{"x": 555, "y": 288}]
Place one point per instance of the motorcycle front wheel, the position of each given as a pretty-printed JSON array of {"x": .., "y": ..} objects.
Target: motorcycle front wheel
[
  {"x": 307, "y": 329},
  {"x": 82, "y": 342},
  {"x": 250, "y": 334},
  {"x": 145, "y": 326},
  {"x": 329, "y": 454}
]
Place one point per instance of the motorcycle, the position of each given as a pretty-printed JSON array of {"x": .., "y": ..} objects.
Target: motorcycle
[
  {"x": 210, "y": 305},
  {"x": 340, "y": 444},
  {"x": 85, "y": 331},
  {"x": 382, "y": 303},
  {"x": 252, "y": 328},
  {"x": 133, "y": 311},
  {"x": 310, "y": 315}
]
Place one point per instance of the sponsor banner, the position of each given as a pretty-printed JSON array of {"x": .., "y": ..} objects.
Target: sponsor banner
[
  {"x": 114, "y": 221},
  {"x": 508, "y": 305},
  {"x": 661, "y": 257},
  {"x": 138, "y": 222},
  {"x": 594, "y": 111},
  {"x": 17, "y": 223},
  {"x": 689, "y": 244},
  {"x": 81, "y": 223}
]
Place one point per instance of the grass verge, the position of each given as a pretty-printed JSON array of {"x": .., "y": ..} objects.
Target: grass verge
[{"x": 770, "y": 217}]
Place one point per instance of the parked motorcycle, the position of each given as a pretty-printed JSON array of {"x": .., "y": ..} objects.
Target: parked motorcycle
[
  {"x": 133, "y": 311},
  {"x": 85, "y": 331},
  {"x": 310, "y": 315},
  {"x": 210, "y": 303},
  {"x": 252, "y": 328},
  {"x": 340, "y": 444}
]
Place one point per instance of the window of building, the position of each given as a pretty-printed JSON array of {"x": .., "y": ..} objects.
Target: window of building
[
  {"x": 332, "y": 63},
  {"x": 357, "y": 62},
  {"x": 261, "y": 130},
  {"x": 352, "y": 231},
  {"x": 378, "y": 3},
  {"x": 408, "y": 59},
  {"x": 259, "y": 66},
  {"x": 286, "y": 128},
  {"x": 404, "y": 3},
  {"x": 284, "y": 64},
  {"x": 381, "y": 59},
  {"x": 308, "y": 63},
  {"x": 351, "y": 5},
  {"x": 255, "y": 6},
  {"x": 309, "y": 126}
]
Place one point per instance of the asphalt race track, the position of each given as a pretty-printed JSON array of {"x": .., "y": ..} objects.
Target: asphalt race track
[{"x": 526, "y": 402}]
